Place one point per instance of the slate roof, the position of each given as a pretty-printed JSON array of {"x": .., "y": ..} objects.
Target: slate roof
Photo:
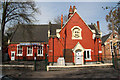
[
  {"x": 53, "y": 28},
  {"x": 37, "y": 33},
  {"x": 92, "y": 27},
  {"x": 104, "y": 38},
  {"x": 30, "y": 33}
]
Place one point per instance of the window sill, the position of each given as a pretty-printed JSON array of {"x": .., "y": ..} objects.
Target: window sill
[
  {"x": 19, "y": 55},
  {"x": 30, "y": 55},
  {"x": 77, "y": 38},
  {"x": 88, "y": 59},
  {"x": 39, "y": 55}
]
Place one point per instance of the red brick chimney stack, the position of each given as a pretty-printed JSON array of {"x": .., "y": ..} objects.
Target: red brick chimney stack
[
  {"x": 61, "y": 21},
  {"x": 74, "y": 9},
  {"x": 70, "y": 12},
  {"x": 98, "y": 25}
]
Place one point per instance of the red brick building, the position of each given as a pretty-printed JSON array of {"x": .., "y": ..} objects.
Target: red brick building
[
  {"x": 76, "y": 41},
  {"x": 28, "y": 41}
]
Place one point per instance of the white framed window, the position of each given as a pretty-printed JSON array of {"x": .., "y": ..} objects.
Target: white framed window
[
  {"x": 40, "y": 51},
  {"x": 87, "y": 54},
  {"x": 76, "y": 32},
  {"x": 29, "y": 51},
  {"x": 19, "y": 51}
]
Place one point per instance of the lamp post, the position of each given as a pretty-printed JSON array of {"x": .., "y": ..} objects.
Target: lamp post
[
  {"x": 0, "y": 44},
  {"x": 0, "y": 49},
  {"x": 35, "y": 62}
]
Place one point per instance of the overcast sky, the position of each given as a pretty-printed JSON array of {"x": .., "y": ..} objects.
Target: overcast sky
[{"x": 90, "y": 12}]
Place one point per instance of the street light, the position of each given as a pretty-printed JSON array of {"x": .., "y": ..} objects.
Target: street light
[
  {"x": 0, "y": 48},
  {"x": 0, "y": 44}
]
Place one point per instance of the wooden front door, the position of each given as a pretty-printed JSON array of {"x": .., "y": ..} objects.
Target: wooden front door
[{"x": 68, "y": 55}]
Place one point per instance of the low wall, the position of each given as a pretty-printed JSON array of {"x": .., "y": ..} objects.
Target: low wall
[{"x": 49, "y": 68}]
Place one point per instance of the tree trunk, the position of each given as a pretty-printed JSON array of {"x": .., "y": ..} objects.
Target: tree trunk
[{"x": 3, "y": 26}]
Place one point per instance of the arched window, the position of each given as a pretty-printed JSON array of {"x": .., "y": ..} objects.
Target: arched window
[{"x": 76, "y": 32}]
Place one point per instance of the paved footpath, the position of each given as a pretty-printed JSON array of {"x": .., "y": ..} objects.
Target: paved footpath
[{"x": 76, "y": 73}]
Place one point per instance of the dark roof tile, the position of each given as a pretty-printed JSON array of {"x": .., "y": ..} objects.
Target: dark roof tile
[
  {"x": 92, "y": 27},
  {"x": 31, "y": 33},
  {"x": 104, "y": 38},
  {"x": 53, "y": 28}
]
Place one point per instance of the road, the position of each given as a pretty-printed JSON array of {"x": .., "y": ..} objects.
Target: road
[{"x": 76, "y": 73}]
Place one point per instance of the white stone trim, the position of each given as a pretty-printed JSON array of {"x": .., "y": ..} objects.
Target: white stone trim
[
  {"x": 77, "y": 47},
  {"x": 75, "y": 27},
  {"x": 100, "y": 51},
  {"x": 48, "y": 33},
  {"x": 93, "y": 36},
  {"x": 74, "y": 33},
  {"x": 57, "y": 32}
]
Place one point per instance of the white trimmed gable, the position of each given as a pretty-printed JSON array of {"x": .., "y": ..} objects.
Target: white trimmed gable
[
  {"x": 70, "y": 19},
  {"x": 78, "y": 46}
]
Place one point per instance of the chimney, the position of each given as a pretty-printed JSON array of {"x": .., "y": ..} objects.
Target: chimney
[
  {"x": 61, "y": 21},
  {"x": 74, "y": 9},
  {"x": 98, "y": 25},
  {"x": 70, "y": 12}
]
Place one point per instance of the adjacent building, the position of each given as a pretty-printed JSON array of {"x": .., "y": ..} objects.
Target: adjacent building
[{"x": 107, "y": 45}]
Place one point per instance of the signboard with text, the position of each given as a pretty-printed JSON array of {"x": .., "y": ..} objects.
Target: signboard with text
[{"x": 30, "y": 43}]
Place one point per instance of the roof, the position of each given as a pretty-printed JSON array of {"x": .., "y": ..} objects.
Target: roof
[
  {"x": 30, "y": 33},
  {"x": 104, "y": 38},
  {"x": 53, "y": 28},
  {"x": 93, "y": 27}
]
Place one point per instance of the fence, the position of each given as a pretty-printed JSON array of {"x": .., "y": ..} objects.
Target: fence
[{"x": 115, "y": 59}]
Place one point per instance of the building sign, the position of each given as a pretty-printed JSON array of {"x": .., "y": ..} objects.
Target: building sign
[
  {"x": 30, "y": 43},
  {"x": 61, "y": 61}
]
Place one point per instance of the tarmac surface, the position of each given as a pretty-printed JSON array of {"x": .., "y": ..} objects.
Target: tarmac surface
[{"x": 75, "y": 73}]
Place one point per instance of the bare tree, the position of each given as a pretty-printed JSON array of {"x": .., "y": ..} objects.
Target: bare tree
[
  {"x": 113, "y": 17},
  {"x": 58, "y": 19},
  {"x": 17, "y": 12}
]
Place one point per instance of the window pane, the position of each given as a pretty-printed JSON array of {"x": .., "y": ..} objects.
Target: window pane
[
  {"x": 38, "y": 51},
  {"x": 19, "y": 49},
  {"x": 29, "y": 50},
  {"x": 85, "y": 54},
  {"x": 41, "y": 51},
  {"x": 88, "y": 56}
]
